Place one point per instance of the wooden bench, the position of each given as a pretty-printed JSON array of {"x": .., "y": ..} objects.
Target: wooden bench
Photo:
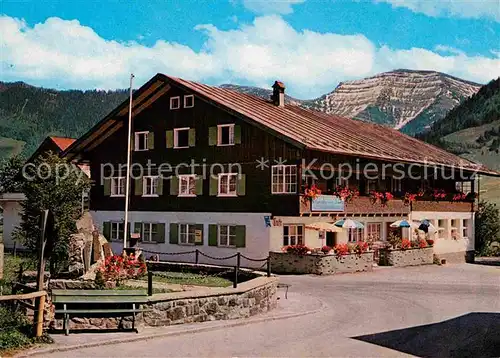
[{"x": 97, "y": 302}]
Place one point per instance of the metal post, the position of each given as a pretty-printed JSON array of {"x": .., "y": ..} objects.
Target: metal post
[
  {"x": 129, "y": 153},
  {"x": 235, "y": 283},
  {"x": 238, "y": 260},
  {"x": 150, "y": 283},
  {"x": 269, "y": 266},
  {"x": 197, "y": 256}
]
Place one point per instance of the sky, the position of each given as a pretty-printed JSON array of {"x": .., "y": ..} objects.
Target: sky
[{"x": 311, "y": 45}]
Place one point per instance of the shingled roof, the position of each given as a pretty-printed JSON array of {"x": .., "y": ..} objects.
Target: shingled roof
[{"x": 303, "y": 127}]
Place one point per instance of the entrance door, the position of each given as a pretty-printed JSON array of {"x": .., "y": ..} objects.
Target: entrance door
[{"x": 331, "y": 239}]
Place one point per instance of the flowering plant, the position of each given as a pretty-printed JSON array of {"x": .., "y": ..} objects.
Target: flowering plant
[
  {"x": 438, "y": 194},
  {"x": 345, "y": 193},
  {"x": 458, "y": 197},
  {"x": 296, "y": 249},
  {"x": 405, "y": 244},
  {"x": 430, "y": 242},
  {"x": 117, "y": 268},
  {"x": 382, "y": 198},
  {"x": 360, "y": 247},
  {"x": 341, "y": 249},
  {"x": 409, "y": 198},
  {"x": 312, "y": 193},
  {"x": 422, "y": 243},
  {"x": 326, "y": 249}
]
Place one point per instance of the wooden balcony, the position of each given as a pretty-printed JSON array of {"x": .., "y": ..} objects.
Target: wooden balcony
[{"x": 362, "y": 205}]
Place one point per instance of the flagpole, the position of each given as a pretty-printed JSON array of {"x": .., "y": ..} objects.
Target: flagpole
[{"x": 127, "y": 179}]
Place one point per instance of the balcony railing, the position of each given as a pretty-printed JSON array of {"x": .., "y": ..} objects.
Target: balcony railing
[{"x": 363, "y": 205}]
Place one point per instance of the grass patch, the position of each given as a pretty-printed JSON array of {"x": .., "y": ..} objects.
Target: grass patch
[
  {"x": 11, "y": 266},
  {"x": 187, "y": 278}
]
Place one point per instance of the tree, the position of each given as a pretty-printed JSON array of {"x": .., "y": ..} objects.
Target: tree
[
  {"x": 10, "y": 174},
  {"x": 487, "y": 228},
  {"x": 50, "y": 183}
]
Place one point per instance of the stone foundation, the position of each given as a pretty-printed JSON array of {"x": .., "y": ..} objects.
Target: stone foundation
[
  {"x": 408, "y": 257},
  {"x": 459, "y": 257},
  {"x": 320, "y": 264},
  {"x": 248, "y": 299}
]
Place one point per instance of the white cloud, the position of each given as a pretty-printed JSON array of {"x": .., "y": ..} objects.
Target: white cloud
[
  {"x": 66, "y": 54},
  {"x": 271, "y": 6},
  {"x": 451, "y": 8}
]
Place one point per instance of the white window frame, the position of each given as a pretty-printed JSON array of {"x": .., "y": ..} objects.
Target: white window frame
[
  {"x": 464, "y": 186},
  {"x": 293, "y": 238},
  {"x": 396, "y": 185},
  {"x": 172, "y": 99},
  {"x": 185, "y": 234},
  {"x": 219, "y": 135},
  {"x": 285, "y": 187},
  {"x": 355, "y": 235},
  {"x": 151, "y": 232},
  {"x": 176, "y": 138},
  {"x": 114, "y": 186},
  {"x": 465, "y": 228},
  {"x": 189, "y": 177},
  {"x": 115, "y": 229},
  {"x": 192, "y": 103},
  {"x": 369, "y": 229},
  {"x": 154, "y": 193},
  {"x": 136, "y": 141},
  {"x": 227, "y": 237},
  {"x": 228, "y": 186}
]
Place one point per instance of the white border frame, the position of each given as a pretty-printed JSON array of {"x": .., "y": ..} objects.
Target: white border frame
[
  {"x": 112, "y": 186},
  {"x": 144, "y": 186},
  {"x": 178, "y": 98},
  {"x": 186, "y": 97},
  {"x": 179, "y": 195},
  {"x": 219, "y": 134},
  {"x": 136, "y": 141},
  {"x": 176, "y": 141},
  {"x": 219, "y": 185}
]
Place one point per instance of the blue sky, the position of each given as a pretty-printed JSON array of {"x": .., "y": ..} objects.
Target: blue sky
[{"x": 311, "y": 45}]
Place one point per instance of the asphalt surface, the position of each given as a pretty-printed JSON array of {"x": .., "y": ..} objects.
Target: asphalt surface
[{"x": 441, "y": 311}]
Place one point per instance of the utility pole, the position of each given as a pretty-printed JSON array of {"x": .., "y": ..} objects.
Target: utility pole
[{"x": 127, "y": 178}]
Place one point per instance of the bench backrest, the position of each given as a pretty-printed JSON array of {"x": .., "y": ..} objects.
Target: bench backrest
[{"x": 99, "y": 296}]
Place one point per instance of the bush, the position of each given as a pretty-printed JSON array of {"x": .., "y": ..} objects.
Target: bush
[
  {"x": 297, "y": 249},
  {"x": 118, "y": 268},
  {"x": 341, "y": 249},
  {"x": 405, "y": 244},
  {"x": 360, "y": 247},
  {"x": 487, "y": 229},
  {"x": 326, "y": 249},
  {"x": 14, "y": 329}
]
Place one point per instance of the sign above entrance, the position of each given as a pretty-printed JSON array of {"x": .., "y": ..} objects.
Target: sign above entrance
[{"x": 327, "y": 203}]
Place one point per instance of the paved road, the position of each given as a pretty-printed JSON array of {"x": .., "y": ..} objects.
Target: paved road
[{"x": 427, "y": 311}]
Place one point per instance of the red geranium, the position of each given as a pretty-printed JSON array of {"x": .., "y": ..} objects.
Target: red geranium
[
  {"x": 341, "y": 249},
  {"x": 405, "y": 244}
]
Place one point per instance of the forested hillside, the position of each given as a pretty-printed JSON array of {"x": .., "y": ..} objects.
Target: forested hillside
[{"x": 28, "y": 114}]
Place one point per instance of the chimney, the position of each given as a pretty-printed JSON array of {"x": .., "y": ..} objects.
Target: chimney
[{"x": 278, "y": 96}]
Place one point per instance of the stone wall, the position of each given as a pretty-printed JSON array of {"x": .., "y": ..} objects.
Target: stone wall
[
  {"x": 408, "y": 257},
  {"x": 459, "y": 257},
  {"x": 320, "y": 264},
  {"x": 248, "y": 299}
]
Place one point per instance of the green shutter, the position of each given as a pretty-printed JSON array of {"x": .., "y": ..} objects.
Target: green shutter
[
  {"x": 199, "y": 185},
  {"x": 160, "y": 233},
  {"x": 138, "y": 228},
  {"x": 241, "y": 189},
  {"x": 138, "y": 186},
  {"x": 192, "y": 137},
  {"x": 107, "y": 186},
  {"x": 214, "y": 185},
  {"x": 159, "y": 187},
  {"x": 151, "y": 140},
  {"x": 212, "y": 235},
  {"x": 106, "y": 230},
  {"x": 212, "y": 136},
  {"x": 199, "y": 227},
  {"x": 174, "y": 233},
  {"x": 174, "y": 185},
  {"x": 240, "y": 235},
  {"x": 237, "y": 134},
  {"x": 170, "y": 139}
]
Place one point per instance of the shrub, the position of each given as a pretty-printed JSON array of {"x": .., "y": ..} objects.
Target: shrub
[
  {"x": 341, "y": 249},
  {"x": 360, "y": 247},
  {"x": 422, "y": 243},
  {"x": 297, "y": 249},
  {"x": 405, "y": 244},
  {"x": 394, "y": 240},
  {"x": 326, "y": 249},
  {"x": 487, "y": 227},
  {"x": 117, "y": 268}
]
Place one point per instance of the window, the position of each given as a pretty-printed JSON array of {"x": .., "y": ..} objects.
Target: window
[
  {"x": 175, "y": 102},
  {"x": 465, "y": 229},
  {"x": 226, "y": 235},
  {"x": 181, "y": 138},
  {"x": 117, "y": 230},
  {"x": 141, "y": 141},
  {"x": 356, "y": 235},
  {"x": 118, "y": 186},
  {"x": 189, "y": 101},
  {"x": 293, "y": 235},
  {"x": 396, "y": 185},
  {"x": 150, "y": 186},
  {"x": 225, "y": 134},
  {"x": 373, "y": 231},
  {"x": 371, "y": 185},
  {"x": 227, "y": 184},
  {"x": 284, "y": 179},
  {"x": 187, "y": 234},
  {"x": 149, "y": 232},
  {"x": 187, "y": 185},
  {"x": 463, "y": 186}
]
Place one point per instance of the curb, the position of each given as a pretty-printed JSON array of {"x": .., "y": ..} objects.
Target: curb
[{"x": 243, "y": 322}]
